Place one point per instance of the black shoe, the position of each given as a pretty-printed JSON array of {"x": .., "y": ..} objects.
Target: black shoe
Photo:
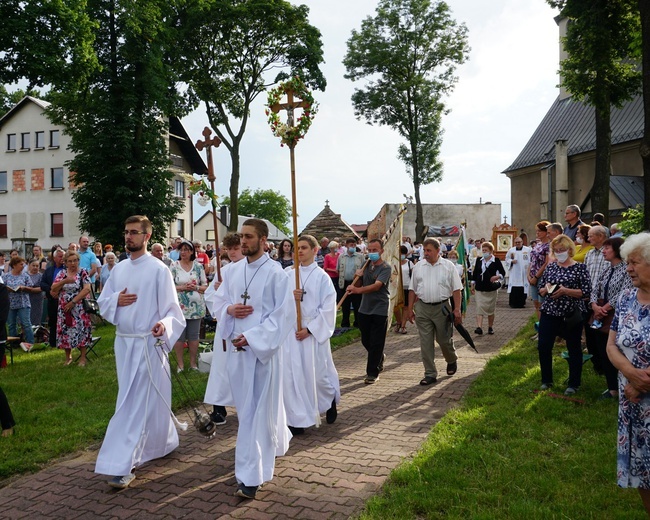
[
  {"x": 428, "y": 380},
  {"x": 246, "y": 491},
  {"x": 479, "y": 331},
  {"x": 220, "y": 409},
  {"x": 380, "y": 368},
  {"x": 606, "y": 395},
  {"x": 490, "y": 330},
  {"x": 452, "y": 368},
  {"x": 296, "y": 431},
  {"x": 331, "y": 414},
  {"x": 345, "y": 325},
  {"x": 217, "y": 418}
]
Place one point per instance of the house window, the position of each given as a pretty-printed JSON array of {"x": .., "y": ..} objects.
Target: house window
[
  {"x": 180, "y": 227},
  {"x": 25, "y": 141},
  {"x": 56, "y": 224},
  {"x": 57, "y": 178},
  {"x": 11, "y": 142},
  {"x": 54, "y": 138},
  {"x": 179, "y": 189},
  {"x": 209, "y": 235},
  {"x": 3, "y": 182},
  {"x": 3, "y": 226},
  {"x": 40, "y": 140}
]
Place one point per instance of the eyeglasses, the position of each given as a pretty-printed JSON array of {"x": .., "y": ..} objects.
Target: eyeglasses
[{"x": 133, "y": 232}]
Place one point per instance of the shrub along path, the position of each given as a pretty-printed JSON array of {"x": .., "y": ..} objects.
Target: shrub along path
[{"x": 328, "y": 473}]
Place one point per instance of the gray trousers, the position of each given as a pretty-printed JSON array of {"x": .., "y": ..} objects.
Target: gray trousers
[{"x": 434, "y": 326}]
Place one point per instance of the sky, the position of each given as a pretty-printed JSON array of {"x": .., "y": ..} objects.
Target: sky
[{"x": 504, "y": 89}]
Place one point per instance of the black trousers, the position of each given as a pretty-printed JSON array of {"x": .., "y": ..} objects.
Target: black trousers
[
  {"x": 373, "y": 338},
  {"x": 551, "y": 327},
  {"x": 52, "y": 308},
  {"x": 351, "y": 299},
  {"x": 610, "y": 371},
  {"x": 6, "y": 418},
  {"x": 591, "y": 339},
  {"x": 517, "y": 298}
]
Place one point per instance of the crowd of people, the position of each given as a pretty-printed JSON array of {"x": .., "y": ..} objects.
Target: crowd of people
[{"x": 272, "y": 359}]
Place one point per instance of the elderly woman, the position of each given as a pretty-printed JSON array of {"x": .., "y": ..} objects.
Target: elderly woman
[
  {"x": 73, "y": 326},
  {"x": 110, "y": 260},
  {"x": 603, "y": 301},
  {"x": 583, "y": 245},
  {"x": 191, "y": 283},
  {"x": 486, "y": 276},
  {"x": 19, "y": 285},
  {"x": 628, "y": 348},
  {"x": 565, "y": 285},
  {"x": 538, "y": 261},
  {"x": 330, "y": 263}
]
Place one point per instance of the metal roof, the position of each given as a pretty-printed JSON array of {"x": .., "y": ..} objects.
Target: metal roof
[{"x": 573, "y": 121}]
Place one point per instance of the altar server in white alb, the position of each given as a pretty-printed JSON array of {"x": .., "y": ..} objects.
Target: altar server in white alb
[
  {"x": 140, "y": 298},
  {"x": 255, "y": 309},
  {"x": 310, "y": 380},
  {"x": 517, "y": 263},
  {"x": 217, "y": 392}
]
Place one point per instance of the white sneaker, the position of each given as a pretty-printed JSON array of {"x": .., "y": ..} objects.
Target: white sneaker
[
  {"x": 26, "y": 346},
  {"x": 121, "y": 482}
]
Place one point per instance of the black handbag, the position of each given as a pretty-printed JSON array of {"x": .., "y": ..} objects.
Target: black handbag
[
  {"x": 90, "y": 305},
  {"x": 573, "y": 318}
]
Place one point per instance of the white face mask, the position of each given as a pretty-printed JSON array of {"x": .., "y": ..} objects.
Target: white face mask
[
  {"x": 486, "y": 254},
  {"x": 579, "y": 240},
  {"x": 562, "y": 257}
]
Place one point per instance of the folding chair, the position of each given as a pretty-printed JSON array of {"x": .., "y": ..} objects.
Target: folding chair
[
  {"x": 90, "y": 349},
  {"x": 565, "y": 355}
]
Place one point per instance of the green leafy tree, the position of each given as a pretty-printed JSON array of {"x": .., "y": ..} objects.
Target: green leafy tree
[
  {"x": 268, "y": 204},
  {"x": 408, "y": 53},
  {"x": 601, "y": 70},
  {"x": 228, "y": 51},
  {"x": 644, "y": 11},
  {"x": 117, "y": 119},
  {"x": 633, "y": 221},
  {"x": 9, "y": 99}
]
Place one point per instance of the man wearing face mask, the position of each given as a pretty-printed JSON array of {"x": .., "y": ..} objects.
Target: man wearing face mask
[
  {"x": 373, "y": 311},
  {"x": 347, "y": 266},
  {"x": 517, "y": 262}
]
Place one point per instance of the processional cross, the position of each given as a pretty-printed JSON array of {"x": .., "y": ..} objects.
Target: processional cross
[{"x": 291, "y": 104}]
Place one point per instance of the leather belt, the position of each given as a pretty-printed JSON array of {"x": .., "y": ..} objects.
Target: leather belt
[{"x": 435, "y": 303}]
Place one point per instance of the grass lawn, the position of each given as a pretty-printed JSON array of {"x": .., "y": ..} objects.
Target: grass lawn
[
  {"x": 508, "y": 452},
  {"x": 60, "y": 410}
]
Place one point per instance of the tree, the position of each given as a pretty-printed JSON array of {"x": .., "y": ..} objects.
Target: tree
[
  {"x": 633, "y": 221},
  {"x": 408, "y": 54},
  {"x": 117, "y": 119},
  {"x": 267, "y": 204},
  {"x": 9, "y": 99},
  {"x": 601, "y": 70},
  {"x": 227, "y": 49},
  {"x": 644, "y": 10}
]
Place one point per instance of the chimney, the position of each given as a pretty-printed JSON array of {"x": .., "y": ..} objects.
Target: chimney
[{"x": 562, "y": 23}]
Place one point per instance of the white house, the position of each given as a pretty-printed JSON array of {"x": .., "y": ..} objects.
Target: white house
[
  {"x": 204, "y": 228},
  {"x": 35, "y": 185}
]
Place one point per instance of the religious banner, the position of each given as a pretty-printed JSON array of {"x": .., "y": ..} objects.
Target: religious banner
[
  {"x": 462, "y": 248},
  {"x": 392, "y": 242},
  {"x": 442, "y": 231}
]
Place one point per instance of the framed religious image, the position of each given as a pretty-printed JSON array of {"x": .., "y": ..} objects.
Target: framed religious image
[{"x": 504, "y": 242}]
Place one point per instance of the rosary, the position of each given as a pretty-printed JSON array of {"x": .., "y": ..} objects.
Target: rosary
[{"x": 246, "y": 296}]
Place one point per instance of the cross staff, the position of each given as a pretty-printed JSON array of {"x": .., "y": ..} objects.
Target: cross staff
[
  {"x": 207, "y": 144},
  {"x": 291, "y": 104}
]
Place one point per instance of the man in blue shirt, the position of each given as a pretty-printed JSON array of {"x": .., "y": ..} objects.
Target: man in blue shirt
[{"x": 88, "y": 260}]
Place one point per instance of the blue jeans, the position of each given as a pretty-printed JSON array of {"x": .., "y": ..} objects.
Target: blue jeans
[{"x": 21, "y": 315}]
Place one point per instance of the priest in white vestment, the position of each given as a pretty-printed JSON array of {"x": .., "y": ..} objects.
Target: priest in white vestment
[
  {"x": 217, "y": 391},
  {"x": 516, "y": 263},
  {"x": 140, "y": 298},
  {"x": 255, "y": 309},
  {"x": 310, "y": 380}
]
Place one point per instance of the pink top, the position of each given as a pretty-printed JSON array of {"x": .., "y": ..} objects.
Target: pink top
[{"x": 329, "y": 264}]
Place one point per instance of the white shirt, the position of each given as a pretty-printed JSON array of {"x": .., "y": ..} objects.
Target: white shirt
[{"x": 433, "y": 283}]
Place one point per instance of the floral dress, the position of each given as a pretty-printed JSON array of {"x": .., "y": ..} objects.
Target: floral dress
[
  {"x": 632, "y": 326},
  {"x": 191, "y": 302},
  {"x": 73, "y": 329}
]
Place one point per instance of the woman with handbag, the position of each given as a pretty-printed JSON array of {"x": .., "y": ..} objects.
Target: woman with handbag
[
  {"x": 73, "y": 327},
  {"x": 487, "y": 276},
  {"x": 565, "y": 285},
  {"x": 604, "y": 298}
]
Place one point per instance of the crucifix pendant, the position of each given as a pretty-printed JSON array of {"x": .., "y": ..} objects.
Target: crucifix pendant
[
  {"x": 303, "y": 294},
  {"x": 245, "y": 296}
]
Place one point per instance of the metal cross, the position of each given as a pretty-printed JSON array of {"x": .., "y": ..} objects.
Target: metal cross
[{"x": 245, "y": 296}]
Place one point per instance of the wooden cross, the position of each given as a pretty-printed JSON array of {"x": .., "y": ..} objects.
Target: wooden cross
[
  {"x": 289, "y": 106},
  {"x": 208, "y": 144}
]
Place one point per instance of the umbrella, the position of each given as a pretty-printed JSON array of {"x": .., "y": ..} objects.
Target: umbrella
[{"x": 459, "y": 327}]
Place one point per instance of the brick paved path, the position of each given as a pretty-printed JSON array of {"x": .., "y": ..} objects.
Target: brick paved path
[{"x": 328, "y": 473}]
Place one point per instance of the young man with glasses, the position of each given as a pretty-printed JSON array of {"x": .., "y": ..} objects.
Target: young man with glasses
[{"x": 140, "y": 298}]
